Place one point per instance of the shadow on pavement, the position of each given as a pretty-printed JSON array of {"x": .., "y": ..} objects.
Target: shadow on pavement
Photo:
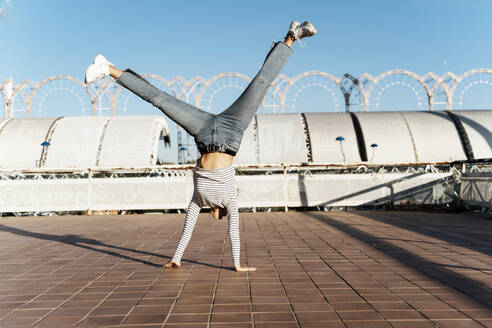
[
  {"x": 431, "y": 269},
  {"x": 90, "y": 244}
]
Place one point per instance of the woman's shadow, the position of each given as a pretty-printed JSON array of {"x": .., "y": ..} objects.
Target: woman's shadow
[{"x": 90, "y": 244}]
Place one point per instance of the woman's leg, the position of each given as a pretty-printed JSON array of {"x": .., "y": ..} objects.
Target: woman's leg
[
  {"x": 245, "y": 107},
  {"x": 191, "y": 118},
  {"x": 189, "y": 225},
  {"x": 240, "y": 113}
]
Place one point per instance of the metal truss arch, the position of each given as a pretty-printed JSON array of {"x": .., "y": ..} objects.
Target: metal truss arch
[
  {"x": 469, "y": 79},
  {"x": 38, "y": 87},
  {"x": 190, "y": 89},
  {"x": 439, "y": 88},
  {"x": 213, "y": 86},
  {"x": 310, "y": 79},
  {"x": 398, "y": 72},
  {"x": 439, "y": 92}
]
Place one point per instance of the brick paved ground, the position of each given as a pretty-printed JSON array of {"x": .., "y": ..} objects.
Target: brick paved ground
[{"x": 336, "y": 269}]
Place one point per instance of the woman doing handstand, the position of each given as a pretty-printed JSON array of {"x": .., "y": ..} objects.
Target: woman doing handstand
[{"x": 218, "y": 137}]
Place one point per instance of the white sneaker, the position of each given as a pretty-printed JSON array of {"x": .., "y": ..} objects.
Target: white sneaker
[
  {"x": 98, "y": 70},
  {"x": 299, "y": 31}
]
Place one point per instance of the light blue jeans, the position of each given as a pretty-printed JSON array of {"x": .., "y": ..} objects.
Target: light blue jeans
[{"x": 214, "y": 133}]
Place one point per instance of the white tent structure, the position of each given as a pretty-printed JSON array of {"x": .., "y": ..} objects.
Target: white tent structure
[
  {"x": 367, "y": 137},
  {"x": 78, "y": 142},
  {"x": 285, "y": 160}
]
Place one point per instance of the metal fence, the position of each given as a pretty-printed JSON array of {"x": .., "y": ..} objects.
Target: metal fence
[{"x": 279, "y": 186}]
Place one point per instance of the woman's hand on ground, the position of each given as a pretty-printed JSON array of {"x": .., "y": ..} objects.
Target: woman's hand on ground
[
  {"x": 241, "y": 268},
  {"x": 171, "y": 265}
]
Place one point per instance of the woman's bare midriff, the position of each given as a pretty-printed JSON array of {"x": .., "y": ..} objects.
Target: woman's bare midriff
[{"x": 210, "y": 161}]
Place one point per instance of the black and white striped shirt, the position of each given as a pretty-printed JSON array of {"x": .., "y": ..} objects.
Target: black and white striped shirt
[{"x": 214, "y": 188}]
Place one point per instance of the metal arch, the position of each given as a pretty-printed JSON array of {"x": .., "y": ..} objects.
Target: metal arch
[
  {"x": 5, "y": 99},
  {"x": 365, "y": 78},
  {"x": 461, "y": 78},
  {"x": 183, "y": 87},
  {"x": 99, "y": 89},
  {"x": 168, "y": 83},
  {"x": 291, "y": 82},
  {"x": 449, "y": 76},
  {"x": 179, "y": 85},
  {"x": 195, "y": 89},
  {"x": 275, "y": 93},
  {"x": 209, "y": 83},
  {"x": 380, "y": 77},
  {"x": 17, "y": 88},
  {"x": 353, "y": 84},
  {"x": 3, "y": 84},
  {"x": 439, "y": 81},
  {"x": 38, "y": 86},
  {"x": 190, "y": 87}
]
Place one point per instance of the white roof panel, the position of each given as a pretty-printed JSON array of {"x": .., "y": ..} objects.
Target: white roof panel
[
  {"x": 247, "y": 150},
  {"x": 75, "y": 142},
  {"x": 281, "y": 139},
  {"x": 20, "y": 142},
  {"x": 390, "y": 133},
  {"x": 435, "y": 137},
  {"x": 3, "y": 121},
  {"x": 324, "y": 129},
  {"x": 132, "y": 140},
  {"x": 478, "y": 127}
]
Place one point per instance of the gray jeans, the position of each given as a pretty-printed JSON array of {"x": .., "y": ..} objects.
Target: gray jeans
[{"x": 222, "y": 132}]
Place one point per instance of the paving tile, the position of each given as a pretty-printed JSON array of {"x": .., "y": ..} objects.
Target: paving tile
[
  {"x": 276, "y": 325},
  {"x": 80, "y": 304},
  {"x": 191, "y": 309},
  {"x": 400, "y": 315},
  {"x": 299, "y": 307},
  {"x": 269, "y": 299},
  {"x": 111, "y": 310},
  {"x": 466, "y": 323},
  {"x": 231, "y": 317},
  {"x": 194, "y": 300},
  {"x": 316, "y": 316},
  {"x": 358, "y": 315},
  {"x": 231, "y": 325},
  {"x": 61, "y": 322},
  {"x": 367, "y": 324},
  {"x": 346, "y": 306},
  {"x": 479, "y": 314},
  {"x": 151, "y": 309},
  {"x": 391, "y": 306},
  {"x": 486, "y": 323},
  {"x": 188, "y": 325},
  {"x": 273, "y": 317},
  {"x": 322, "y": 324},
  {"x": 145, "y": 319},
  {"x": 187, "y": 318},
  {"x": 272, "y": 307},
  {"x": 234, "y": 308},
  {"x": 113, "y": 320},
  {"x": 67, "y": 312},
  {"x": 412, "y": 323},
  {"x": 25, "y": 313},
  {"x": 12, "y": 320}
]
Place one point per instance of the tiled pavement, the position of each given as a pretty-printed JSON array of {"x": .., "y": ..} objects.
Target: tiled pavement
[{"x": 315, "y": 269}]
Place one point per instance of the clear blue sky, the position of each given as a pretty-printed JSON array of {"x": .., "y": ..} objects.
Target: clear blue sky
[{"x": 187, "y": 38}]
